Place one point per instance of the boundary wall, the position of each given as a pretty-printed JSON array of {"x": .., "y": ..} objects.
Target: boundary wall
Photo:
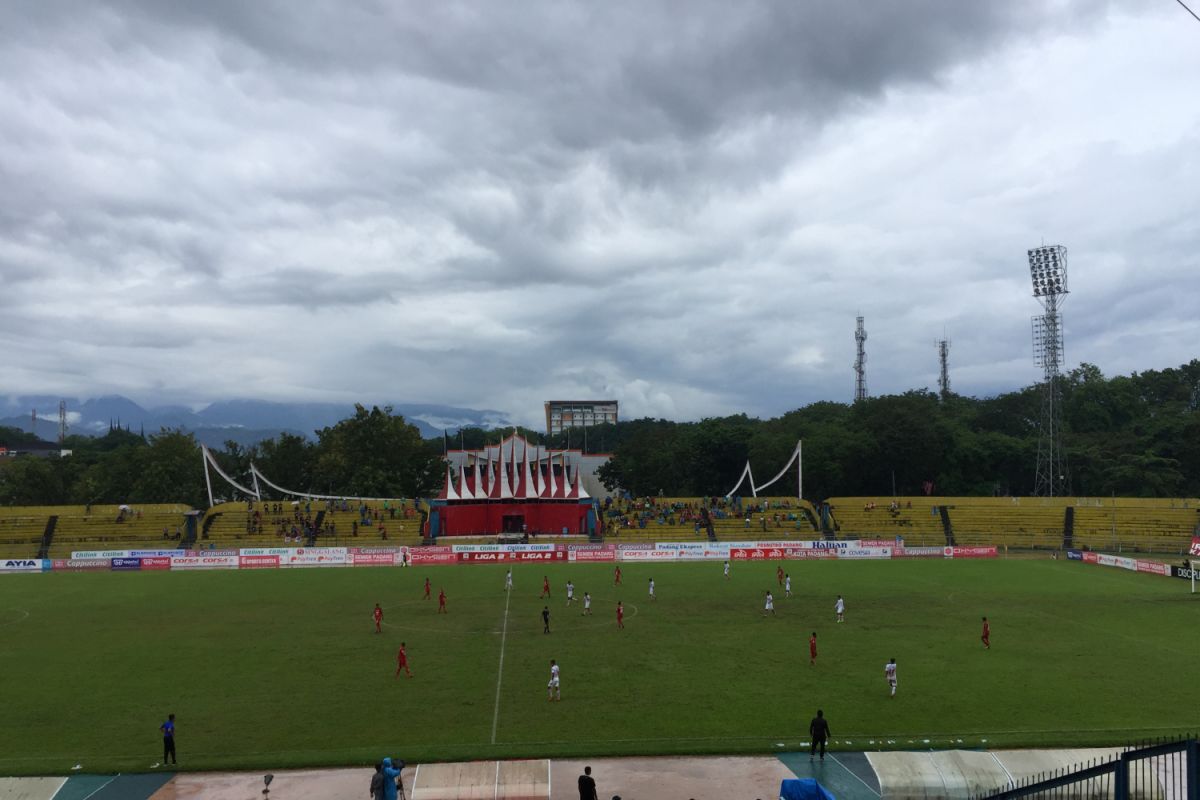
[
  {"x": 400, "y": 556},
  {"x": 1136, "y": 564}
]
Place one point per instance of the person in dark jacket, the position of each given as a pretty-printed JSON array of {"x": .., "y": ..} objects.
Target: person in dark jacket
[
  {"x": 818, "y": 731},
  {"x": 377, "y": 783},
  {"x": 587, "y": 786}
]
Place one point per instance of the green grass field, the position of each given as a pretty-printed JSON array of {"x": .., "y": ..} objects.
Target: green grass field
[{"x": 272, "y": 669}]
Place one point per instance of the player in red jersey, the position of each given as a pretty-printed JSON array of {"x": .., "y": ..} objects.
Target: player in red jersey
[
  {"x": 986, "y": 638},
  {"x": 620, "y": 615},
  {"x": 545, "y": 587},
  {"x": 617, "y": 577},
  {"x": 402, "y": 662},
  {"x": 378, "y": 614},
  {"x": 812, "y": 649},
  {"x": 442, "y": 601},
  {"x": 427, "y": 588},
  {"x": 779, "y": 574}
]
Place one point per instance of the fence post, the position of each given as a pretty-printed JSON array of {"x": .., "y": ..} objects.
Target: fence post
[
  {"x": 1191, "y": 769},
  {"x": 1121, "y": 779}
]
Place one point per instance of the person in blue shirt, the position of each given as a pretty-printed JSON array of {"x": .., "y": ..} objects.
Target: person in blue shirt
[{"x": 168, "y": 732}]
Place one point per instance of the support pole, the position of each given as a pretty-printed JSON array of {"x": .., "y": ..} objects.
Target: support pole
[{"x": 207, "y": 479}]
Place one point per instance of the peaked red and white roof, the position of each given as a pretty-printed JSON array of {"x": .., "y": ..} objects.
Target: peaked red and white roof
[{"x": 513, "y": 470}]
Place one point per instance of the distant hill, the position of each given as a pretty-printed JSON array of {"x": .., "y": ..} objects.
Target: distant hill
[{"x": 243, "y": 421}]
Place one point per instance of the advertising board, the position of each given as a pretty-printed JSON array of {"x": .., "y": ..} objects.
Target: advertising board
[
  {"x": 125, "y": 564},
  {"x": 21, "y": 565},
  {"x": 1075, "y": 555},
  {"x": 1195, "y": 548},
  {"x": 520, "y": 555},
  {"x": 646, "y": 553},
  {"x": 1187, "y": 573},
  {"x": 83, "y": 563},
  {"x": 917, "y": 552},
  {"x": 383, "y": 559},
  {"x": 315, "y": 557},
  {"x": 1153, "y": 567},
  {"x": 258, "y": 562},
  {"x": 865, "y": 552},
  {"x": 1106, "y": 560},
  {"x": 432, "y": 555},
  {"x": 969, "y": 552},
  {"x": 204, "y": 562},
  {"x": 156, "y": 562},
  {"x": 503, "y": 548},
  {"x": 80, "y": 555}
]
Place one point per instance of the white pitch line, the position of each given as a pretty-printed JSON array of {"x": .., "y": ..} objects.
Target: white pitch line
[
  {"x": 500, "y": 672},
  {"x": 855, "y": 775}
]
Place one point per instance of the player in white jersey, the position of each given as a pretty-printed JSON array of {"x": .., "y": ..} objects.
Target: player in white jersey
[
  {"x": 890, "y": 672},
  {"x": 508, "y": 580},
  {"x": 552, "y": 688},
  {"x": 587, "y": 604},
  {"x": 570, "y": 592},
  {"x": 726, "y": 570},
  {"x": 769, "y": 605},
  {"x": 787, "y": 585},
  {"x": 652, "y": 588},
  {"x": 840, "y": 608}
]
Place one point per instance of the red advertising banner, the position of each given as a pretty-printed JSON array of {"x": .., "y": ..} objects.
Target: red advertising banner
[
  {"x": 258, "y": 562},
  {"x": 1195, "y": 546},
  {"x": 524, "y": 555},
  {"x": 969, "y": 552},
  {"x": 747, "y": 554},
  {"x": 594, "y": 555},
  {"x": 1153, "y": 567},
  {"x": 1091, "y": 558},
  {"x": 156, "y": 562},
  {"x": 374, "y": 559}
]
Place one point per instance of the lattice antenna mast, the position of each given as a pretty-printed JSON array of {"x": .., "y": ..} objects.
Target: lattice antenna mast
[
  {"x": 62, "y": 423},
  {"x": 860, "y": 362},
  {"x": 1048, "y": 270},
  {"x": 943, "y": 348}
]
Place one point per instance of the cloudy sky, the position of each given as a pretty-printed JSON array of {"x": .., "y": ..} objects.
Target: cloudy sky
[{"x": 680, "y": 205}]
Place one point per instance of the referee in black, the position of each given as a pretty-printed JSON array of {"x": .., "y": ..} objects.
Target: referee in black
[
  {"x": 818, "y": 731},
  {"x": 546, "y": 619}
]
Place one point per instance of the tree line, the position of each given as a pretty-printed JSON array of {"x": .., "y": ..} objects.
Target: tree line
[{"x": 1135, "y": 435}]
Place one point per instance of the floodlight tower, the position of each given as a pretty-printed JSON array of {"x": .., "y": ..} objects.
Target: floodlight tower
[
  {"x": 943, "y": 348},
  {"x": 1048, "y": 270},
  {"x": 860, "y": 362}
]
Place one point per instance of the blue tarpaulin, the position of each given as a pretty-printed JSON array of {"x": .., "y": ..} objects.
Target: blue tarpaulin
[{"x": 803, "y": 789}]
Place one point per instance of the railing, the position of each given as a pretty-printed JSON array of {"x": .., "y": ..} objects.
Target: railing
[{"x": 1166, "y": 770}]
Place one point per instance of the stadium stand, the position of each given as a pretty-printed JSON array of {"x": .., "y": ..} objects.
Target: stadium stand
[
  {"x": 21, "y": 530},
  {"x": 917, "y": 519},
  {"x": 1134, "y": 524},
  {"x": 310, "y": 524},
  {"x": 1028, "y": 523},
  {"x": 110, "y": 527},
  {"x": 672, "y": 519}
]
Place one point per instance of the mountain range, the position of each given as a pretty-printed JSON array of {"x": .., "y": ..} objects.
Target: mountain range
[{"x": 243, "y": 421}]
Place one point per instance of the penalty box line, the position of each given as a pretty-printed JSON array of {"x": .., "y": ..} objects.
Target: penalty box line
[{"x": 500, "y": 671}]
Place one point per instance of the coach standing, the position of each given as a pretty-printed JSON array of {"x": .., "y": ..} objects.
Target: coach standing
[
  {"x": 168, "y": 732},
  {"x": 818, "y": 731},
  {"x": 587, "y": 786}
]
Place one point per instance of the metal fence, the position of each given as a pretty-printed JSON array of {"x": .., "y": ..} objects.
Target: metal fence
[{"x": 1162, "y": 770}]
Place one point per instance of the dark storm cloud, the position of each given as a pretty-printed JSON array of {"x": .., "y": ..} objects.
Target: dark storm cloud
[{"x": 682, "y": 205}]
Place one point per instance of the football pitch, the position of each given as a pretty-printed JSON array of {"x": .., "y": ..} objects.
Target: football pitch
[{"x": 283, "y": 668}]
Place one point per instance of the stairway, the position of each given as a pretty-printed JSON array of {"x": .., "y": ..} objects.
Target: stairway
[
  {"x": 946, "y": 526},
  {"x": 47, "y": 537}
]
